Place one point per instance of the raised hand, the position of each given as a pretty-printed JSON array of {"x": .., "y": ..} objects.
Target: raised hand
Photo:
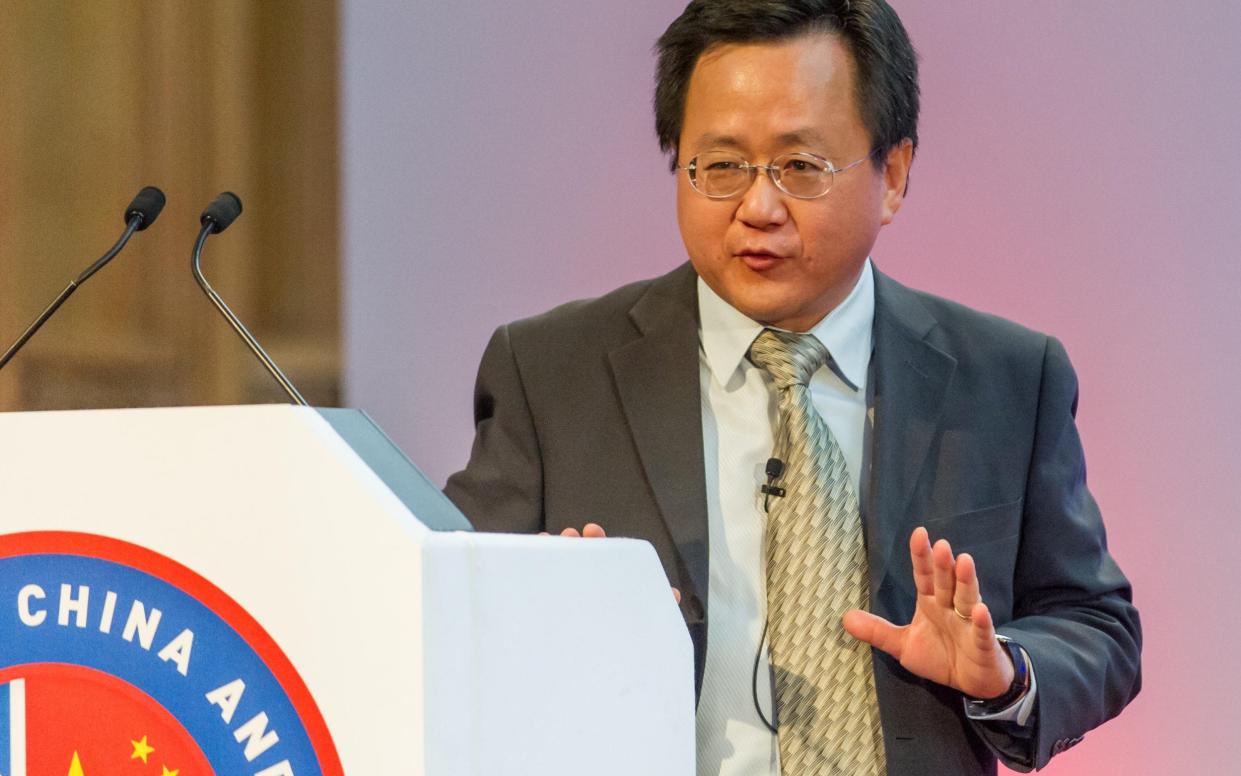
[{"x": 951, "y": 639}]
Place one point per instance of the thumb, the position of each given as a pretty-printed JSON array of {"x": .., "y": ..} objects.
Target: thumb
[{"x": 876, "y": 631}]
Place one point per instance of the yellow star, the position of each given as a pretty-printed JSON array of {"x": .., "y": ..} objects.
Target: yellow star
[
  {"x": 141, "y": 750},
  {"x": 168, "y": 772},
  {"x": 75, "y": 767}
]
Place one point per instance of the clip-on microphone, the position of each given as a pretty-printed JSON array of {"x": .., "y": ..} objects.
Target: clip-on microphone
[{"x": 775, "y": 467}]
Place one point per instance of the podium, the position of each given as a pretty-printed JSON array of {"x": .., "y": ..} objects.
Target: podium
[{"x": 277, "y": 590}]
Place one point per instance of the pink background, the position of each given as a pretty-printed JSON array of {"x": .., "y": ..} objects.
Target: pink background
[{"x": 1078, "y": 173}]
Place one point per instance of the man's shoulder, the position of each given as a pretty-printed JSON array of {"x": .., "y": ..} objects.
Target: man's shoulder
[
  {"x": 1000, "y": 365},
  {"x": 953, "y": 326},
  {"x": 610, "y": 316}
]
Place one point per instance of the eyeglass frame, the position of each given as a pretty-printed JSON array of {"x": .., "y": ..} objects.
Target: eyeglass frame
[{"x": 773, "y": 174}]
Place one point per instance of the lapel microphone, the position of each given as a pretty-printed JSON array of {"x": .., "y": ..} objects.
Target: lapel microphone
[
  {"x": 775, "y": 467},
  {"x": 773, "y": 470}
]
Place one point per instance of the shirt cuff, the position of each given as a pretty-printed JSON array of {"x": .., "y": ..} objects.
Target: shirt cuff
[{"x": 1019, "y": 710}]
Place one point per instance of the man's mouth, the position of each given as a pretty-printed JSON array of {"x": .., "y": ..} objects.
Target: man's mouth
[{"x": 759, "y": 259}]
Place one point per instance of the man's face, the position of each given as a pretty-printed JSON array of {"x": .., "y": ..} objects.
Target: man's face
[{"x": 783, "y": 261}]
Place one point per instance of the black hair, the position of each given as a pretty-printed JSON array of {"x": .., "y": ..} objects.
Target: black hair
[{"x": 886, "y": 63}]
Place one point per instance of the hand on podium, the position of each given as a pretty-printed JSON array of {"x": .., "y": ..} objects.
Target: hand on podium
[
  {"x": 589, "y": 531},
  {"x": 595, "y": 531}
]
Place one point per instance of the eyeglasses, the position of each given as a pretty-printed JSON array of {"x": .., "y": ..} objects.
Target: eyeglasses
[{"x": 721, "y": 175}]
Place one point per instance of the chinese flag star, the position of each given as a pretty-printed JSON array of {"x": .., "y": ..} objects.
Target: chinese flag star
[
  {"x": 170, "y": 773},
  {"x": 141, "y": 750},
  {"x": 75, "y": 767}
]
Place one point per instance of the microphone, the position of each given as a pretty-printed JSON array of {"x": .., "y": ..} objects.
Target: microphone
[
  {"x": 773, "y": 470},
  {"x": 147, "y": 205},
  {"x": 140, "y": 214},
  {"x": 217, "y": 217},
  {"x": 775, "y": 467},
  {"x": 222, "y": 211}
]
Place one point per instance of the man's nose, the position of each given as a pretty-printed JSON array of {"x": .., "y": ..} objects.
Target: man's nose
[{"x": 762, "y": 205}]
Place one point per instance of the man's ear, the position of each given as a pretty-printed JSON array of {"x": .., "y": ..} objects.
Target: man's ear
[{"x": 896, "y": 178}]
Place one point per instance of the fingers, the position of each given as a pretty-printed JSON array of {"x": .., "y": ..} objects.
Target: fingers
[
  {"x": 944, "y": 573},
  {"x": 953, "y": 582},
  {"x": 984, "y": 628},
  {"x": 920, "y": 554},
  {"x": 590, "y": 531},
  {"x": 875, "y": 630},
  {"x": 966, "y": 593},
  {"x": 676, "y": 593},
  {"x": 987, "y": 645}
]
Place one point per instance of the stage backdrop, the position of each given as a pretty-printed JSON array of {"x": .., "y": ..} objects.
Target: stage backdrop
[{"x": 1078, "y": 173}]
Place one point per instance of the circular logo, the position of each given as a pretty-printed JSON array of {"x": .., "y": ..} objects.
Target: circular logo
[{"x": 117, "y": 660}]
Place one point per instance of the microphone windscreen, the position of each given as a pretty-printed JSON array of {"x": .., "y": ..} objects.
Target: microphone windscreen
[
  {"x": 222, "y": 211},
  {"x": 148, "y": 204},
  {"x": 775, "y": 467}
]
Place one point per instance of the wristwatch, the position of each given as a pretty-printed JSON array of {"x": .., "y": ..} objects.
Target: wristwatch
[{"x": 1019, "y": 687}]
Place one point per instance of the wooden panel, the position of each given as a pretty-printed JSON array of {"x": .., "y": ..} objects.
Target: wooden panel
[{"x": 98, "y": 99}]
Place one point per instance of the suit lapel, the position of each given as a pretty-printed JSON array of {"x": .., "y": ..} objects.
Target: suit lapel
[
  {"x": 911, "y": 380},
  {"x": 658, "y": 384}
]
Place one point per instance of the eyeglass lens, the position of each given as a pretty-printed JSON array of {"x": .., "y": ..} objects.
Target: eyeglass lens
[{"x": 723, "y": 175}]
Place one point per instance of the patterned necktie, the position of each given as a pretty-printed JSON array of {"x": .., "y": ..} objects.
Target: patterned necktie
[{"x": 816, "y": 571}]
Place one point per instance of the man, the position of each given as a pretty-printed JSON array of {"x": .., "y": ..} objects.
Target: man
[{"x": 891, "y": 418}]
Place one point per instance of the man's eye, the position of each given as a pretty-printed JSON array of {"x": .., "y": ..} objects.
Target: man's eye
[
  {"x": 802, "y": 166},
  {"x": 724, "y": 165}
]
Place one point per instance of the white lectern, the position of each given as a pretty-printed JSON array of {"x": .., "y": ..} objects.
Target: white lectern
[{"x": 276, "y": 590}]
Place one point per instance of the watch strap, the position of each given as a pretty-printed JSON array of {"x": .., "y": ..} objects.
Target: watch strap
[{"x": 1019, "y": 687}]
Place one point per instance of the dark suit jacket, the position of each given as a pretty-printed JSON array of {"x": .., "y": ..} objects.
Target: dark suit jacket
[{"x": 591, "y": 412}]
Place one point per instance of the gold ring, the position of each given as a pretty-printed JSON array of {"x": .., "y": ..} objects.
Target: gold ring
[{"x": 957, "y": 612}]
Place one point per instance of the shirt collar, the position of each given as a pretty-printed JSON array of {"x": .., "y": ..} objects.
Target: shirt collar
[{"x": 726, "y": 333}]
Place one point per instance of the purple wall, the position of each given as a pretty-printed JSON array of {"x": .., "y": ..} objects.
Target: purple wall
[{"x": 1078, "y": 173}]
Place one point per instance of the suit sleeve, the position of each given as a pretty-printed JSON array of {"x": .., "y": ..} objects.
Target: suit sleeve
[
  {"x": 1073, "y": 609},
  {"x": 501, "y": 487}
]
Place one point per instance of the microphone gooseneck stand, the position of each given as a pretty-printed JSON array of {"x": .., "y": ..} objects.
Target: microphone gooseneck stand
[
  {"x": 216, "y": 218},
  {"x": 140, "y": 214}
]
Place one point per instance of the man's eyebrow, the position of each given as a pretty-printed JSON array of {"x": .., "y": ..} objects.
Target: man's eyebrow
[
  {"x": 710, "y": 139},
  {"x": 802, "y": 137}
]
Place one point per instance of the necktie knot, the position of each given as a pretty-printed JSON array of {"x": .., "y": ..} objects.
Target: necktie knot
[{"x": 789, "y": 358}]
